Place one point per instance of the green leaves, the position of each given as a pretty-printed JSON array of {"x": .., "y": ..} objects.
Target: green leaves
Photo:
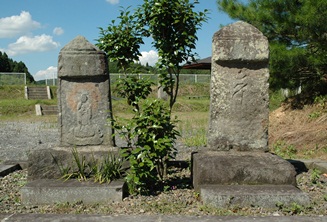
[
  {"x": 122, "y": 42},
  {"x": 134, "y": 89},
  {"x": 150, "y": 136},
  {"x": 173, "y": 26}
]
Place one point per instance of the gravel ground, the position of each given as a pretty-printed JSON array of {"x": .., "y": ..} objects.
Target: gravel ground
[{"x": 19, "y": 138}]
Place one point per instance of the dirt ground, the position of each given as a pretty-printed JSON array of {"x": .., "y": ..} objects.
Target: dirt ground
[{"x": 303, "y": 129}]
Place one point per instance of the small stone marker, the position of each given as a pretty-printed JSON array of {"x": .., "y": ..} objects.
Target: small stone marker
[
  {"x": 83, "y": 95},
  {"x": 239, "y": 108},
  {"x": 235, "y": 168}
]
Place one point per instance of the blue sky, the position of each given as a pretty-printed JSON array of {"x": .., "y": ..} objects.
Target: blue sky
[{"x": 34, "y": 31}]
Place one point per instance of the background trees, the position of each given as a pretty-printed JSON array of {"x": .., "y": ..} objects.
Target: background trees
[
  {"x": 8, "y": 65},
  {"x": 297, "y": 33}
]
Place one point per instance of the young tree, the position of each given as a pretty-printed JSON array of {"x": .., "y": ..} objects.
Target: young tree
[
  {"x": 297, "y": 33},
  {"x": 173, "y": 25}
]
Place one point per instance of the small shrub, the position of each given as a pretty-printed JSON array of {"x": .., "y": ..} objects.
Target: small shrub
[{"x": 150, "y": 135}]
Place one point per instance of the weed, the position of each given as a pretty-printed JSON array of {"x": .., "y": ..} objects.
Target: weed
[
  {"x": 284, "y": 150},
  {"x": 321, "y": 101},
  {"x": 197, "y": 139},
  {"x": 110, "y": 168},
  {"x": 293, "y": 209},
  {"x": 315, "y": 176},
  {"x": 276, "y": 99},
  {"x": 315, "y": 115},
  {"x": 102, "y": 171}
]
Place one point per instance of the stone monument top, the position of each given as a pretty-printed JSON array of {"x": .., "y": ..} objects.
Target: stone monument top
[
  {"x": 80, "y": 58},
  {"x": 240, "y": 42},
  {"x": 80, "y": 43}
]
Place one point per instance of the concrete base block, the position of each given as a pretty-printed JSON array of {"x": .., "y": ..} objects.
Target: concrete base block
[
  {"x": 267, "y": 196},
  {"x": 240, "y": 168},
  {"x": 51, "y": 191}
]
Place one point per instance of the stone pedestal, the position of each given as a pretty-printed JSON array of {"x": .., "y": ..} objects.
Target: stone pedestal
[
  {"x": 235, "y": 168},
  {"x": 254, "y": 168}
]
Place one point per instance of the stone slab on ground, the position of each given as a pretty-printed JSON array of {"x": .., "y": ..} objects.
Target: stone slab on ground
[
  {"x": 6, "y": 169},
  {"x": 322, "y": 166},
  {"x": 153, "y": 218},
  {"x": 51, "y": 191},
  {"x": 267, "y": 196},
  {"x": 223, "y": 168},
  {"x": 316, "y": 164}
]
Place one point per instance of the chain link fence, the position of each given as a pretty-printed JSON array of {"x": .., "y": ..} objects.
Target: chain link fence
[{"x": 12, "y": 78}]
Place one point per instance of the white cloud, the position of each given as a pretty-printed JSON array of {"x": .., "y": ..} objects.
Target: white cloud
[
  {"x": 113, "y": 2},
  {"x": 150, "y": 57},
  {"x": 58, "y": 31},
  {"x": 26, "y": 44},
  {"x": 49, "y": 73},
  {"x": 17, "y": 25}
]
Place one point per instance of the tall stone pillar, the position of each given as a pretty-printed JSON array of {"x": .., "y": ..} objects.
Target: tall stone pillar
[
  {"x": 83, "y": 95},
  {"x": 235, "y": 168},
  {"x": 239, "y": 106},
  {"x": 84, "y": 110}
]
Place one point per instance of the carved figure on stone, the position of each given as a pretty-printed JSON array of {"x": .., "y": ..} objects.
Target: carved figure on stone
[
  {"x": 85, "y": 128},
  {"x": 84, "y": 111}
]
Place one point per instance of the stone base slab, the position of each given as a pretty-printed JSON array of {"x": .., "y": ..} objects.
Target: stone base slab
[
  {"x": 266, "y": 196},
  {"x": 51, "y": 191},
  {"x": 240, "y": 168},
  {"x": 46, "y": 163}
]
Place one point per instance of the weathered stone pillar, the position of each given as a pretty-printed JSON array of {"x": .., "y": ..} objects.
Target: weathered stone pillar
[
  {"x": 239, "y": 108},
  {"x": 83, "y": 95},
  {"x": 84, "y": 109},
  {"x": 231, "y": 171}
]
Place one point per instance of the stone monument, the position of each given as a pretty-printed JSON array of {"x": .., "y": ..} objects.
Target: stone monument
[
  {"x": 83, "y": 95},
  {"x": 236, "y": 164},
  {"x": 84, "y": 103}
]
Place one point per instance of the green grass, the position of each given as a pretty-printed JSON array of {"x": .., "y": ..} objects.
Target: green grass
[
  {"x": 193, "y": 127},
  {"x": 275, "y": 100},
  {"x": 12, "y": 92},
  {"x": 13, "y": 102},
  {"x": 16, "y": 107}
]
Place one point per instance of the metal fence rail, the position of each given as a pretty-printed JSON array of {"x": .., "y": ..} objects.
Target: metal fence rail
[
  {"x": 20, "y": 78},
  {"x": 183, "y": 78}
]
